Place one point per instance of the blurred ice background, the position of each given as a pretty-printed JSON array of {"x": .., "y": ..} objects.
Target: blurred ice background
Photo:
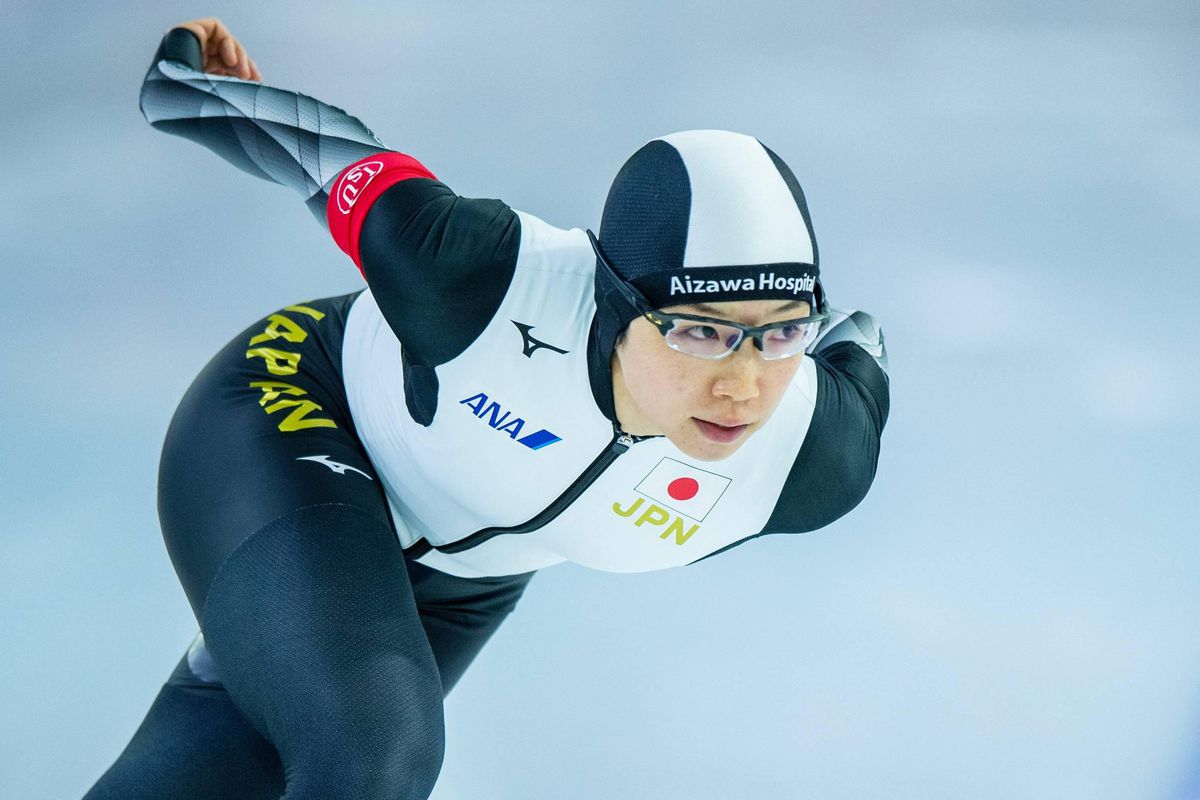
[{"x": 1012, "y": 188}]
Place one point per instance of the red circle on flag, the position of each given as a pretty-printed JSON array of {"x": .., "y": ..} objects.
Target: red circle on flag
[{"x": 683, "y": 488}]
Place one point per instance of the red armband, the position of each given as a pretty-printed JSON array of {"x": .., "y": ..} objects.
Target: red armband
[{"x": 357, "y": 188}]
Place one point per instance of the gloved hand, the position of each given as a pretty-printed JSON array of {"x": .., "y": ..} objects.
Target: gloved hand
[{"x": 223, "y": 54}]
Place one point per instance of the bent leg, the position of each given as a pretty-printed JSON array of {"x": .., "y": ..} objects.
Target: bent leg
[
  {"x": 314, "y": 632},
  {"x": 459, "y": 615},
  {"x": 193, "y": 745},
  {"x": 280, "y": 533},
  {"x": 279, "y": 530}
]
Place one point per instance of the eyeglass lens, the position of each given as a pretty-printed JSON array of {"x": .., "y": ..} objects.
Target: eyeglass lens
[{"x": 713, "y": 340}]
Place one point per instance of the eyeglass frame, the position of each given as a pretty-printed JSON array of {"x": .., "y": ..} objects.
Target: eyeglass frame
[{"x": 660, "y": 318}]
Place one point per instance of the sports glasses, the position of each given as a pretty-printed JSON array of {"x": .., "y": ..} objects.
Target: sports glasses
[{"x": 706, "y": 337}]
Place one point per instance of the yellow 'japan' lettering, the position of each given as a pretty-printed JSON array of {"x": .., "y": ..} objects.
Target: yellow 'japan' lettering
[
  {"x": 279, "y": 362},
  {"x": 296, "y": 420},
  {"x": 272, "y": 389},
  {"x": 283, "y": 362},
  {"x": 278, "y": 327}
]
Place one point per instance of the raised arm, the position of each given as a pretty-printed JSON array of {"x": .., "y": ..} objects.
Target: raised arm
[
  {"x": 438, "y": 264},
  {"x": 282, "y": 136}
]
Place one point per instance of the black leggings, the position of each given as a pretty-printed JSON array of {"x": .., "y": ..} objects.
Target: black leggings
[{"x": 325, "y": 653}]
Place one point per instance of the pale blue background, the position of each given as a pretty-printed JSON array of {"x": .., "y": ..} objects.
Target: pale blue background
[{"x": 1014, "y": 192}]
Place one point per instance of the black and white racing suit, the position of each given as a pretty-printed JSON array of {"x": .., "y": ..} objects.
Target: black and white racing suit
[{"x": 356, "y": 490}]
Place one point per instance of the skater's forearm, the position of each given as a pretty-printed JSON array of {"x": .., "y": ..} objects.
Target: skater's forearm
[{"x": 282, "y": 136}]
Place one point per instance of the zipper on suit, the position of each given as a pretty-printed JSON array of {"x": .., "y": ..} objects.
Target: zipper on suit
[{"x": 621, "y": 442}]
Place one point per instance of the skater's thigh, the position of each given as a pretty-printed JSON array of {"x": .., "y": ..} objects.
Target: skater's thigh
[{"x": 263, "y": 430}]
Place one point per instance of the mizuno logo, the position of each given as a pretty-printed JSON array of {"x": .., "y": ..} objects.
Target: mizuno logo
[
  {"x": 530, "y": 344},
  {"x": 340, "y": 469},
  {"x": 496, "y": 417}
]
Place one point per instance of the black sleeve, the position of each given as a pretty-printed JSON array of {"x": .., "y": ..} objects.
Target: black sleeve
[
  {"x": 438, "y": 265},
  {"x": 836, "y": 464}
]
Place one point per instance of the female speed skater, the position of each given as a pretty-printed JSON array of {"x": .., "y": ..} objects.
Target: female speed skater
[{"x": 356, "y": 490}]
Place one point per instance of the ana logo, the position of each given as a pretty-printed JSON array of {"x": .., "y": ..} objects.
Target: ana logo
[
  {"x": 494, "y": 415},
  {"x": 531, "y": 344},
  {"x": 353, "y": 182},
  {"x": 675, "y": 487}
]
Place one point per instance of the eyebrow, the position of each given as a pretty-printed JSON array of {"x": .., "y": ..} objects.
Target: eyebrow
[{"x": 791, "y": 305}]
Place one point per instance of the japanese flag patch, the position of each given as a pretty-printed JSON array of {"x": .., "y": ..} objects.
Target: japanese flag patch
[{"x": 684, "y": 489}]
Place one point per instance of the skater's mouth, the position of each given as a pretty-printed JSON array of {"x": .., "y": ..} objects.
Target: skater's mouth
[{"x": 720, "y": 433}]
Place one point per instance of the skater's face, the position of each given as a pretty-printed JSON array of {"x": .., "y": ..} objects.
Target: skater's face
[{"x": 707, "y": 408}]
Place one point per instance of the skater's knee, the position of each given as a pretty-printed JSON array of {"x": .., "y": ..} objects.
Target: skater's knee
[
  {"x": 315, "y": 633},
  {"x": 400, "y": 762}
]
